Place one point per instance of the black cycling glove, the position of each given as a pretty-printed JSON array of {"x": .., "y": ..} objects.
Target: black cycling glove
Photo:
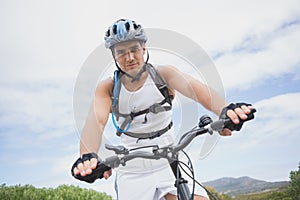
[
  {"x": 229, "y": 124},
  {"x": 96, "y": 173}
]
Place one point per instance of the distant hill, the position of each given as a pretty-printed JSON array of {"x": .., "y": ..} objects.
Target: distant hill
[{"x": 243, "y": 185}]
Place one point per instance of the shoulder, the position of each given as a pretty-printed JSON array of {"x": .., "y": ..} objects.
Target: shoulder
[
  {"x": 167, "y": 71},
  {"x": 165, "y": 68},
  {"x": 105, "y": 87}
]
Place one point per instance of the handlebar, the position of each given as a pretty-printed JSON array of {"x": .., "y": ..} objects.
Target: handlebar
[{"x": 123, "y": 155}]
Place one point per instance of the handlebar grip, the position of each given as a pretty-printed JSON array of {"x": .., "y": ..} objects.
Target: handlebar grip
[
  {"x": 236, "y": 127},
  {"x": 100, "y": 169}
]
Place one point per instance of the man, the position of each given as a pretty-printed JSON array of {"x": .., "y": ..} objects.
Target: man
[{"x": 142, "y": 112}]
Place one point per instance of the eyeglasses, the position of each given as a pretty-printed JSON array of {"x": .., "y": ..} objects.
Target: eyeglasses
[{"x": 122, "y": 53}]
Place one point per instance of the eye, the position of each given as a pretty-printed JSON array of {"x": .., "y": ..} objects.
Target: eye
[
  {"x": 120, "y": 53},
  {"x": 134, "y": 49}
]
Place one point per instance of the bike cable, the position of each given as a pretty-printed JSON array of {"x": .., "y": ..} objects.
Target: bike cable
[
  {"x": 191, "y": 170},
  {"x": 193, "y": 176},
  {"x": 144, "y": 147}
]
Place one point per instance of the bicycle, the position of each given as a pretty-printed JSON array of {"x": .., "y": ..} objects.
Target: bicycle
[{"x": 171, "y": 153}]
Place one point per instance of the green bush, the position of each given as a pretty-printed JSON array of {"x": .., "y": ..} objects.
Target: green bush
[
  {"x": 294, "y": 187},
  {"x": 63, "y": 192},
  {"x": 280, "y": 194}
]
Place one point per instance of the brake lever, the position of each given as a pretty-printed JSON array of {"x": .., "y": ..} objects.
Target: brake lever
[{"x": 117, "y": 149}]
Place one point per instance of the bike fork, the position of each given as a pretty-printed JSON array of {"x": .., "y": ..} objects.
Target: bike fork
[{"x": 183, "y": 191}]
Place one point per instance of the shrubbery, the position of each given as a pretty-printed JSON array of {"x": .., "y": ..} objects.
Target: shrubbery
[
  {"x": 294, "y": 187},
  {"x": 63, "y": 192}
]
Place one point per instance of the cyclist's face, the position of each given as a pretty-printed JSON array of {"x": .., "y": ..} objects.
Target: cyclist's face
[{"x": 129, "y": 55}]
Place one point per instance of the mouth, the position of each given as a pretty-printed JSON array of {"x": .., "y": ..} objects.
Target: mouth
[{"x": 131, "y": 66}]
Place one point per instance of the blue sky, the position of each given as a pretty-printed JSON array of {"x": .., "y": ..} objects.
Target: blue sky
[{"x": 44, "y": 44}]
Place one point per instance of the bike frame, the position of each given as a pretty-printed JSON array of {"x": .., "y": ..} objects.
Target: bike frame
[
  {"x": 206, "y": 125},
  {"x": 170, "y": 153}
]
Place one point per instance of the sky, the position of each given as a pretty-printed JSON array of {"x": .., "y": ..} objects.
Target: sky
[{"x": 44, "y": 45}]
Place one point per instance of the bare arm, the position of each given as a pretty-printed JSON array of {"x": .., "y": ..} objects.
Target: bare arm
[
  {"x": 192, "y": 88},
  {"x": 97, "y": 118},
  {"x": 92, "y": 132}
]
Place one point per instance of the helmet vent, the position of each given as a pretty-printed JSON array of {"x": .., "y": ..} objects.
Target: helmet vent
[
  {"x": 127, "y": 25},
  {"x": 114, "y": 29}
]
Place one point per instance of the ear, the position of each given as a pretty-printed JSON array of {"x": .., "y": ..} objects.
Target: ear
[
  {"x": 144, "y": 50},
  {"x": 143, "y": 47}
]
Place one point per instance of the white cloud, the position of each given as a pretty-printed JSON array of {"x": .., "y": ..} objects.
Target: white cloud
[
  {"x": 261, "y": 58},
  {"x": 278, "y": 116},
  {"x": 37, "y": 105},
  {"x": 51, "y": 45},
  {"x": 223, "y": 24}
]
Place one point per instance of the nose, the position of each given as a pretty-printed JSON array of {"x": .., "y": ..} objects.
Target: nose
[{"x": 129, "y": 56}]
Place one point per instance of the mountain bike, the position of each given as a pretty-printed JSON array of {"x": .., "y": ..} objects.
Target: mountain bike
[{"x": 171, "y": 153}]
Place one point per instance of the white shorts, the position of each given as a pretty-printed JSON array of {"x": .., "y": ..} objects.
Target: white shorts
[{"x": 147, "y": 180}]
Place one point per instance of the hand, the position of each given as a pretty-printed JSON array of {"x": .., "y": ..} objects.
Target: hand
[
  {"x": 235, "y": 112},
  {"x": 85, "y": 165},
  {"x": 88, "y": 168},
  {"x": 107, "y": 174}
]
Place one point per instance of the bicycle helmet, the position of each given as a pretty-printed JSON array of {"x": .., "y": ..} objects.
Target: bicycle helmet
[{"x": 124, "y": 30}]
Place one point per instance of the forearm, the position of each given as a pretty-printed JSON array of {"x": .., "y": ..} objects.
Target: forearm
[
  {"x": 97, "y": 118},
  {"x": 193, "y": 89},
  {"x": 212, "y": 100},
  {"x": 206, "y": 96},
  {"x": 91, "y": 136}
]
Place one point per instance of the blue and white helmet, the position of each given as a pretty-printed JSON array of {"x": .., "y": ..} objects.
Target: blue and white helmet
[{"x": 124, "y": 30}]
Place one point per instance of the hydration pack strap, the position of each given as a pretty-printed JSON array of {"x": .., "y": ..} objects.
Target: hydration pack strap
[
  {"x": 150, "y": 135},
  {"x": 155, "y": 108},
  {"x": 160, "y": 83}
]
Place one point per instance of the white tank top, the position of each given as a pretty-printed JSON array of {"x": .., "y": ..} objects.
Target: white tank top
[{"x": 139, "y": 100}]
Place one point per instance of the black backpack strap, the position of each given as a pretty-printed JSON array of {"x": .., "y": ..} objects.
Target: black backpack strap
[
  {"x": 150, "y": 135},
  {"x": 155, "y": 108},
  {"x": 160, "y": 83}
]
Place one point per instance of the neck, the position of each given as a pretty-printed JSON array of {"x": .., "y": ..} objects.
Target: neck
[
  {"x": 136, "y": 76},
  {"x": 134, "y": 85}
]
